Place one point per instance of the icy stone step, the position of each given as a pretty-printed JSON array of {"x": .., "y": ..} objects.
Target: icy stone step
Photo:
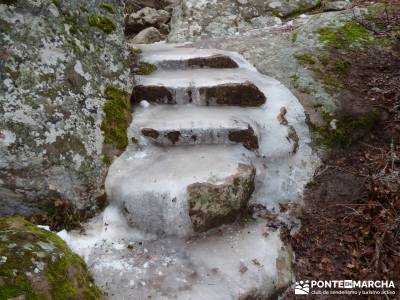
[
  {"x": 200, "y": 87},
  {"x": 181, "y": 190},
  {"x": 169, "y": 57},
  {"x": 216, "y": 61},
  {"x": 195, "y": 125}
]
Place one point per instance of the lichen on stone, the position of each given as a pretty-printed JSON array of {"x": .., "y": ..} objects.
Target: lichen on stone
[{"x": 55, "y": 68}]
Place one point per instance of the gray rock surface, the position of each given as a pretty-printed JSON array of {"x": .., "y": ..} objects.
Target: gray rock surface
[
  {"x": 336, "y": 5},
  {"x": 57, "y": 57},
  {"x": 194, "y": 20},
  {"x": 144, "y": 18},
  {"x": 277, "y": 52},
  {"x": 212, "y": 205},
  {"x": 134, "y": 5},
  {"x": 147, "y": 36}
]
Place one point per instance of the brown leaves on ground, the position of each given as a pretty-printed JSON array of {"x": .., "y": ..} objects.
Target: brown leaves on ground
[{"x": 351, "y": 221}]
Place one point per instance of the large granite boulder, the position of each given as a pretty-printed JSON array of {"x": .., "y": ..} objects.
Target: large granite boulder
[
  {"x": 37, "y": 264},
  {"x": 292, "y": 52},
  {"x": 61, "y": 61},
  {"x": 194, "y": 20}
]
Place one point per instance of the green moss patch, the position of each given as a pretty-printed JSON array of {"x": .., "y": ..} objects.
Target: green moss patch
[
  {"x": 350, "y": 34},
  {"x": 102, "y": 22},
  {"x": 341, "y": 132},
  {"x": 117, "y": 118},
  {"x": 108, "y": 7},
  {"x": 37, "y": 264},
  {"x": 293, "y": 37},
  {"x": 305, "y": 59},
  {"x": 146, "y": 69}
]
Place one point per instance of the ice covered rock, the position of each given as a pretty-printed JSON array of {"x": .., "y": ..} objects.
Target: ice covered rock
[
  {"x": 190, "y": 125},
  {"x": 168, "y": 57},
  {"x": 215, "y": 61},
  {"x": 156, "y": 187},
  {"x": 201, "y": 87},
  {"x": 212, "y": 205}
]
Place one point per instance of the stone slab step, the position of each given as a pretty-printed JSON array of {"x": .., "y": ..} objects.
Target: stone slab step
[
  {"x": 169, "y": 57},
  {"x": 195, "y": 125},
  {"x": 181, "y": 190},
  {"x": 216, "y": 61},
  {"x": 201, "y": 87}
]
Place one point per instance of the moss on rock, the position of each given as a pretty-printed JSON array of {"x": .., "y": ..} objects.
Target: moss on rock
[
  {"x": 107, "y": 7},
  {"x": 37, "y": 264},
  {"x": 340, "y": 132},
  {"x": 102, "y": 22},
  {"x": 146, "y": 69},
  {"x": 305, "y": 59},
  {"x": 350, "y": 34},
  {"x": 117, "y": 118}
]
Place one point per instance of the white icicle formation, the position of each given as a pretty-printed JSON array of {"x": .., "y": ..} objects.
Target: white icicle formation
[{"x": 210, "y": 130}]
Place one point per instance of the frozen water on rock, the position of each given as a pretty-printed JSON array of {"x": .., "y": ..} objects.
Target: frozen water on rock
[
  {"x": 160, "y": 53},
  {"x": 180, "y": 117},
  {"x": 211, "y": 125},
  {"x": 195, "y": 78},
  {"x": 148, "y": 184},
  {"x": 213, "y": 266},
  {"x": 153, "y": 189}
]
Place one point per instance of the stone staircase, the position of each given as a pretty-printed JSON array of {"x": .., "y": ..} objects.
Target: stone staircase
[
  {"x": 201, "y": 141},
  {"x": 210, "y": 135}
]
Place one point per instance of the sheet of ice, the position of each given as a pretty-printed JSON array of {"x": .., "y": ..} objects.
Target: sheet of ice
[
  {"x": 108, "y": 227},
  {"x": 221, "y": 265},
  {"x": 195, "y": 78},
  {"x": 191, "y": 116}
]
